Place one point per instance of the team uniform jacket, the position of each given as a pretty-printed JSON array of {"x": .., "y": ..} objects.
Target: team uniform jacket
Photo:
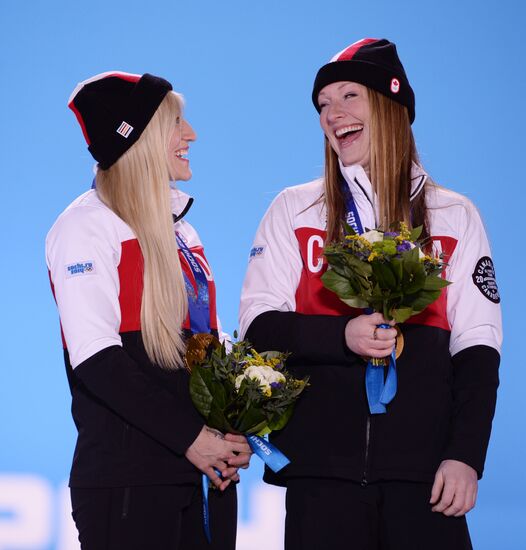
[
  {"x": 447, "y": 373},
  {"x": 134, "y": 419}
]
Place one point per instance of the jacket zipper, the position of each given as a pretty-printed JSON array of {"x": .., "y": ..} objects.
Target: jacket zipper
[{"x": 367, "y": 442}]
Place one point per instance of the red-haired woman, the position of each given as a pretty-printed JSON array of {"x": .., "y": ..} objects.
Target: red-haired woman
[{"x": 404, "y": 479}]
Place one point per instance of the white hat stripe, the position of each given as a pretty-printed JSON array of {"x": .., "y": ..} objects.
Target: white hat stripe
[{"x": 123, "y": 75}]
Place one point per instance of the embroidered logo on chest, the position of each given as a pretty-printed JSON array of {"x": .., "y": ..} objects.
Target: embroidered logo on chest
[{"x": 484, "y": 279}]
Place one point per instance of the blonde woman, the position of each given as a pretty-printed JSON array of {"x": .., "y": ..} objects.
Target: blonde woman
[
  {"x": 131, "y": 282},
  {"x": 406, "y": 478}
]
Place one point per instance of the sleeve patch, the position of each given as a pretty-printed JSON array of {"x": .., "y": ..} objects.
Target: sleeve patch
[
  {"x": 484, "y": 279},
  {"x": 257, "y": 252},
  {"x": 80, "y": 268}
]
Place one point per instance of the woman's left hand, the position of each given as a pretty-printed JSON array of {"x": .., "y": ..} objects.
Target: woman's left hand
[
  {"x": 454, "y": 491},
  {"x": 242, "y": 458}
]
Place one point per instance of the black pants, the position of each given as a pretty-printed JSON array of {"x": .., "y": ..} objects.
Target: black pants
[
  {"x": 153, "y": 518},
  {"x": 342, "y": 515}
]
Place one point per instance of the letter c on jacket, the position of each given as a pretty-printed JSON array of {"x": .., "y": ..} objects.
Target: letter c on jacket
[{"x": 314, "y": 240}]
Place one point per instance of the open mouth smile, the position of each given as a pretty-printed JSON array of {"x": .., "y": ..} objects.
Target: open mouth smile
[
  {"x": 348, "y": 134},
  {"x": 182, "y": 154}
]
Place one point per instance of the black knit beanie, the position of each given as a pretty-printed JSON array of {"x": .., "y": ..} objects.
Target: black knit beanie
[
  {"x": 113, "y": 109},
  {"x": 373, "y": 63}
]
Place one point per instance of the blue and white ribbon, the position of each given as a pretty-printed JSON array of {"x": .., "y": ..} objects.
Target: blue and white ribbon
[
  {"x": 198, "y": 302},
  {"x": 380, "y": 390},
  {"x": 268, "y": 453}
]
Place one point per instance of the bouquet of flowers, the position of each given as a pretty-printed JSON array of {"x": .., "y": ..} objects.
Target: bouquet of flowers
[
  {"x": 385, "y": 271},
  {"x": 241, "y": 391}
]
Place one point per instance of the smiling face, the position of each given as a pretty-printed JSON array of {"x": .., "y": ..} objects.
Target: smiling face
[
  {"x": 178, "y": 146},
  {"x": 345, "y": 119}
]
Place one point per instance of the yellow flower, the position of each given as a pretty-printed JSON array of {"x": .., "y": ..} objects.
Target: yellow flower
[{"x": 404, "y": 231}]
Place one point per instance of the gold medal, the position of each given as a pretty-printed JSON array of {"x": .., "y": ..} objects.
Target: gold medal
[
  {"x": 399, "y": 348},
  {"x": 197, "y": 348},
  {"x": 399, "y": 342}
]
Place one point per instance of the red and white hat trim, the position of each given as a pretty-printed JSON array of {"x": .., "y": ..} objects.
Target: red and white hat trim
[{"x": 130, "y": 77}]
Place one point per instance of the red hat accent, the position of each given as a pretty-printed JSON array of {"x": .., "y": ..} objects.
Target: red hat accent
[
  {"x": 113, "y": 109},
  {"x": 374, "y": 63}
]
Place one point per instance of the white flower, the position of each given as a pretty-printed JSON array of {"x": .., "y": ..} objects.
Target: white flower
[
  {"x": 373, "y": 236},
  {"x": 262, "y": 374}
]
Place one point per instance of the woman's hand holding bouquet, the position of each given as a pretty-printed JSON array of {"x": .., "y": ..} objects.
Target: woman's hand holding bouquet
[
  {"x": 388, "y": 273},
  {"x": 240, "y": 393}
]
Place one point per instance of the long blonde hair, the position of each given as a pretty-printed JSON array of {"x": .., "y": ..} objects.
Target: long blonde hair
[
  {"x": 392, "y": 153},
  {"x": 137, "y": 189}
]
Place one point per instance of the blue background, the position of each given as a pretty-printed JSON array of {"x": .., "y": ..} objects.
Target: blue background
[{"x": 246, "y": 70}]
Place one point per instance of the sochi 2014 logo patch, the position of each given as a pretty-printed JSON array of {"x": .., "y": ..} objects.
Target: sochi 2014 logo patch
[
  {"x": 484, "y": 279},
  {"x": 257, "y": 252},
  {"x": 80, "y": 268},
  {"x": 395, "y": 85}
]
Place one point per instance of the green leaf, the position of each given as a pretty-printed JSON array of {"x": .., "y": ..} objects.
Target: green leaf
[
  {"x": 414, "y": 277},
  {"x": 199, "y": 390},
  {"x": 415, "y": 233},
  {"x": 348, "y": 230},
  {"x": 384, "y": 275},
  {"x": 355, "y": 302},
  {"x": 397, "y": 268},
  {"x": 338, "y": 284},
  {"x": 435, "y": 283},
  {"x": 423, "y": 299},
  {"x": 219, "y": 393},
  {"x": 252, "y": 420},
  {"x": 411, "y": 256},
  {"x": 280, "y": 422},
  {"x": 402, "y": 314},
  {"x": 264, "y": 431},
  {"x": 271, "y": 354},
  {"x": 217, "y": 419}
]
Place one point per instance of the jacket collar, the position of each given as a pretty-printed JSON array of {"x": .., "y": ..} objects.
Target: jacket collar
[
  {"x": 181, "y": 203},
  {"x": 359, "y": 183},
  {"x": 365, "y": 198}
]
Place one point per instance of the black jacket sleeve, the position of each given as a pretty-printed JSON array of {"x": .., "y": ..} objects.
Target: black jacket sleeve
[
  {"x": 475, "y": 383},
  {"x": 309, "y": 339},
  {"x": 114, "y": 378}
]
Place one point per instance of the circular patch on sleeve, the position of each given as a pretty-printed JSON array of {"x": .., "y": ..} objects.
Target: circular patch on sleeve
[{"x": 484, "y": 279}]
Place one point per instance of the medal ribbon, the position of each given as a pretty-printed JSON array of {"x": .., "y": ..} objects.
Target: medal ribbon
[
  {"x": 198, "y": 305},
  {"x": 198, "y": 302},
  {"x": 199, "y": 310},
  {"x": 268, "y": 453},
  {"x": 380, "y": 390}
]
